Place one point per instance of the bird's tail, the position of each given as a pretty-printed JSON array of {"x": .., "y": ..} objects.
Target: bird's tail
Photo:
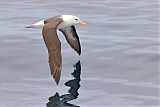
[{"x": 37, "y": 25}]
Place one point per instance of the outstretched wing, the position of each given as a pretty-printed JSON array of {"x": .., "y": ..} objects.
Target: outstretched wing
[
  {"x": 72, "y": 38},
  {"x": 54, "y": 50}
]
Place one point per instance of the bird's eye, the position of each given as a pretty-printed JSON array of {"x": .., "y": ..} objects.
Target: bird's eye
[{"x": 76, "y": 19}]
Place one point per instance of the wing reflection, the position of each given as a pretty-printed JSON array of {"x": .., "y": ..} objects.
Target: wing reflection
[{"x": 74, "y": 84}]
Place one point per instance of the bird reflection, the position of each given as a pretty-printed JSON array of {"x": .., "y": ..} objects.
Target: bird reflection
[{"x": 74, "y": 84}]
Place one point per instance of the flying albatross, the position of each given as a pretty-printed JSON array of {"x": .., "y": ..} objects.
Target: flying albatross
[{"x": 64, "y": 23}]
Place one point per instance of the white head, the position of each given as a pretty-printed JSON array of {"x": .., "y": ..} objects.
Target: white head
[{"x": 69, "y": 20}]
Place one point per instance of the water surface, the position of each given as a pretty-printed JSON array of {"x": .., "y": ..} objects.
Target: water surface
[{"x": 119, "y": 58}]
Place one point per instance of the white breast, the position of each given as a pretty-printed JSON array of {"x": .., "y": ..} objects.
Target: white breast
[
  {"x": 63, "y": 25},
  {"x": 67, "y": 21}
]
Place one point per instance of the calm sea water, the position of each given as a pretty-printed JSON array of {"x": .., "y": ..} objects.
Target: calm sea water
[{"x": 119, "y": 62}]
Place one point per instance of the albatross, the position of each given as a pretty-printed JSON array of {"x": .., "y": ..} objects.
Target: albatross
[{"x": 65, "y": 24}]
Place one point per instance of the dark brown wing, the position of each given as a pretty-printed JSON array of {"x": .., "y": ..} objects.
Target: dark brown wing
[
  {"x": 72, "y": 38},
  {"x": 54, "y": 49}
]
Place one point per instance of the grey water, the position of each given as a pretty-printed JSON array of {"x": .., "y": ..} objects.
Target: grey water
[{"x": 119, "y": 61}]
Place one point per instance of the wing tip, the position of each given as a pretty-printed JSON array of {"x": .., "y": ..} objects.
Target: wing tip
[
  {"x": 57, "y": 81},
  {"x": 57, "y": 76},
  {"x": 79, "y": 53}
]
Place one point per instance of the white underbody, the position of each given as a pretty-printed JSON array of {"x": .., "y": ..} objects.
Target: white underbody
[{"x": 63, "y": 25}]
